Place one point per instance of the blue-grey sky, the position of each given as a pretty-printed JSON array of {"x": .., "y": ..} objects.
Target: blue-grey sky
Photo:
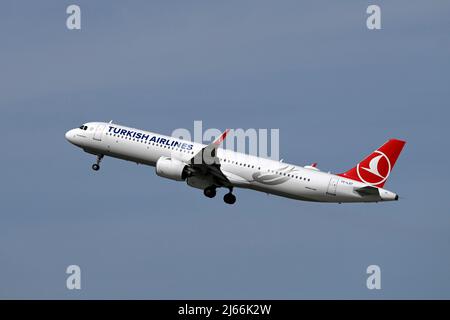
[{"x": 312, "y": 69}]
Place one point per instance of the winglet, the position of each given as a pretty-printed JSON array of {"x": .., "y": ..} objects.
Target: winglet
[
  {"x": 208, "y": 154},
  {"x": 221, "y": 137},
  {"x": 312, "y": 166}
]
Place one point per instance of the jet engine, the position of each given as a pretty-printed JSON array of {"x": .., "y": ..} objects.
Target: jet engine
[{"x": 171, "y": 169}]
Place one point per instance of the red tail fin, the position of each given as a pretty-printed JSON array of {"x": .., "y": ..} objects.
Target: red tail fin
[{"x": 376, "y": 167}]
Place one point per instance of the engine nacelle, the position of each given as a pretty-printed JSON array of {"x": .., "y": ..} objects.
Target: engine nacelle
[{"x": 171, "y": 169}]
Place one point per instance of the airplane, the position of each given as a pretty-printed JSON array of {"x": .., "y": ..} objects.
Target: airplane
[{"x": 208, "y": 167}]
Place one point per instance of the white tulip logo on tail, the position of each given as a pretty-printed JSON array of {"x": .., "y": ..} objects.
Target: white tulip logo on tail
[{"x": 375, "y": 169}]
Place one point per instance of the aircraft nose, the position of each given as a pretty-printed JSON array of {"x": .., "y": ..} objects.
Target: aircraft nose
[{"x": 70, "y": 135}]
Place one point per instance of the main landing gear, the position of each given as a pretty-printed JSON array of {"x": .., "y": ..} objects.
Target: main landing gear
[
  {"x": 210, "y": 192},
  {"x": 229, "y": 198},
  {"x": 96, "y": 166}
]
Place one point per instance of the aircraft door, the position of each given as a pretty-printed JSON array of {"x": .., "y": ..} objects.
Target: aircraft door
[
  {"x": 99, "y": 132},
  {"x": 332, "y": 186}
]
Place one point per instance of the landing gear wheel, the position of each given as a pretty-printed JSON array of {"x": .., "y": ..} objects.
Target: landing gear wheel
[
  {"x": 229, "y": 198},
  {"x": 96, "y": 166},
  {"x": 210, "y": 192}
]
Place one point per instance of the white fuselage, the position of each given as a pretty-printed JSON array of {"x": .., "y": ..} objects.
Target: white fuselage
[{"x": 244, "y": 171}]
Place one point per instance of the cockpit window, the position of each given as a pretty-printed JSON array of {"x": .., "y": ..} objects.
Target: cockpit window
[{"x": 83, "y": 127}]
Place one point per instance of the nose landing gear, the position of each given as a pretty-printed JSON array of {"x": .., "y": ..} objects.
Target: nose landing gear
[{"x": 96, "y": 166}]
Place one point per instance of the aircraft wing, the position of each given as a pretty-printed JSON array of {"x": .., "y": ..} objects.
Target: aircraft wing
[{"x": 205, "y": 162}]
